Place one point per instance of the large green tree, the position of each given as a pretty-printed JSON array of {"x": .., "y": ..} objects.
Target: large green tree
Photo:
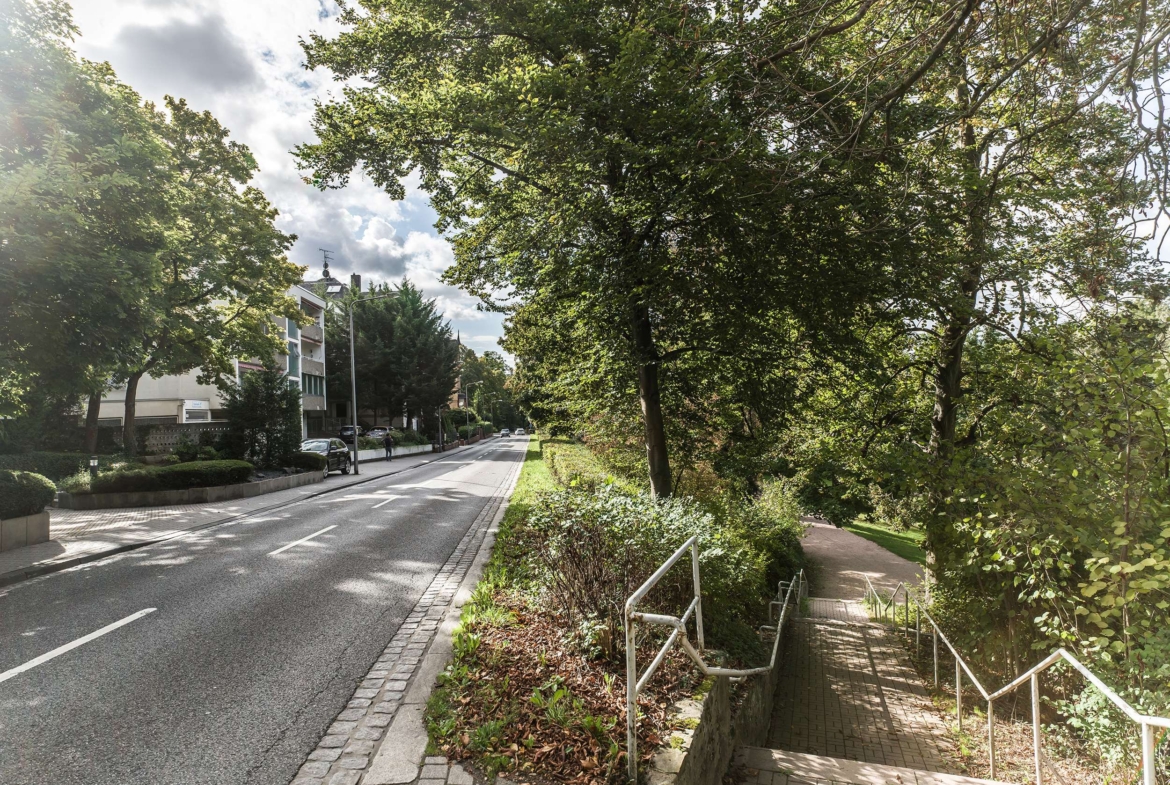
[
  {"x": 83, "y": 211},
  {"x": 598, "y": 161},
  {"x": 223, "y": 270}
]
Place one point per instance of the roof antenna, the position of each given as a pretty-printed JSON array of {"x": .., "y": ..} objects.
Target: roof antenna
[{"x": 325, "y": 255}]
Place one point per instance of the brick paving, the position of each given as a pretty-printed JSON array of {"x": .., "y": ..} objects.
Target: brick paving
[
  {"x": 848, "y": 690},
  {"x": 350, "y": 744},
  {"x": 83, "y": 534}
]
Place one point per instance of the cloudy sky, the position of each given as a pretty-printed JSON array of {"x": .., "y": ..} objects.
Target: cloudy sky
[{"x": 241, "y": 59}]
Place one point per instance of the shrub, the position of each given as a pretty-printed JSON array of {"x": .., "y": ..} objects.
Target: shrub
[
  {"x": 409, "y": 438},
  {"x": 186, "y": 449},
  {"x": 366, "y": 443},
  {"x": 199, "y": 474},
  {"x": 574, "y": 465},
  {"x": 24, "y": 493},
  {"x": 591, "y": 551},
  {"x": 54, "y": 465},
  {"x": 309, "y": 461}
]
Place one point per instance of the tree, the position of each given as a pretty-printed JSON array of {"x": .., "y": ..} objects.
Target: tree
[
  {"x": 406, "y": 356},
  {"x": 264, "y": 418},
  {"x": 224, "y": 273},
  {"x": 82, "y": 211},
  {"x": 598, "y": 162}
]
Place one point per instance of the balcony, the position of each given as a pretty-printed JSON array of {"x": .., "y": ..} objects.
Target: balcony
[
  {"x": 313, "y": 403},
  {"x": 315, "y": 367},
  {"x": 313, "y": 333}
]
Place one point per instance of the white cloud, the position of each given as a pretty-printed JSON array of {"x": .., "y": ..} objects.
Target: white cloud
[{"x": 243, "y": 61}]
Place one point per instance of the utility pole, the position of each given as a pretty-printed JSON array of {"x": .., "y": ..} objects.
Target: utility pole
[{"x": 353, "y": 362}]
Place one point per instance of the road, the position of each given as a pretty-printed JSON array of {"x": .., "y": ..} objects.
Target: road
[{"x": 261, "y": 630}]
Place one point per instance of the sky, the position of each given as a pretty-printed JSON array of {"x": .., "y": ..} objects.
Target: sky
[{"x": 242, "y": 60}]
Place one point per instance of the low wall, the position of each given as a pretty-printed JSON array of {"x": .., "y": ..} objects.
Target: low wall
[
  {"x": 217, "y": 493},
  {"x": 380, "y": 455},
  {"x": 700, "y": 752},
  {"x": 29, "y": 530}
]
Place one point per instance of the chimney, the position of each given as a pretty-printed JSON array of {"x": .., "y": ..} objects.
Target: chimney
[{"x": 355, "y": 282}]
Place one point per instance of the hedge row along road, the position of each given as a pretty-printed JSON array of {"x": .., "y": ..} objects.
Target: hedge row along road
[{"x": 261, "y": 630}]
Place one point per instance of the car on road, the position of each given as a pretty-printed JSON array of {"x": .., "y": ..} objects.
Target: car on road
[
  {"x": 346, "y": 433},
  {"x": 376, "y": 433},
  {"x": 520, "y": 432},
  {"x": 335, "y": 451},
  {"x": 505, "y": 432}
]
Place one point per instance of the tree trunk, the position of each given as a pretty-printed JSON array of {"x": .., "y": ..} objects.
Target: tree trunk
[
  {"x": 91, "y": 422},
  {"x": 649, "y": 394},
  {"x": 129, "y": 435}
]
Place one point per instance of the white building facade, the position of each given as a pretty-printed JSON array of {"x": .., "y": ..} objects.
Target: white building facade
[{"x": 180, "y": 398}]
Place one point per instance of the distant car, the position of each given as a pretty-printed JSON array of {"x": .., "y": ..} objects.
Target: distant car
[
  {"x": 346, "y": 433},
  {"x": 335, "y": 450},
  {"x": 505, "y": 432},
  {"x": 520, "y": 432},
  {"x": 376, "y": 433}
]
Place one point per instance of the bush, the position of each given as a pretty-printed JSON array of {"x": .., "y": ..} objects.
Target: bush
[
  {"x": 409, "y": 438},
  {"x": 309, "y": 461},
  {"x": 574, "y": 465},
  {"x": 198, "y": 474},
  {"x": 24, "y": 493},
  {"x": 590, "y": 551},
  {"x": 366, "y": 443},
  {"x": 54, "y": 465}
]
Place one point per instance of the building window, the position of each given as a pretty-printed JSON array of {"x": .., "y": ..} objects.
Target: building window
[
  {"x": 294, "y": 360},
  {"x": 294, "y": 331},
  {"x": 314, "y": 385}
]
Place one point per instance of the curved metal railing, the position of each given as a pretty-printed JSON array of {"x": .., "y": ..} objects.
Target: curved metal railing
[
  {"x": 1146, "y": 722},
  {"x": 635, "y": 685}
]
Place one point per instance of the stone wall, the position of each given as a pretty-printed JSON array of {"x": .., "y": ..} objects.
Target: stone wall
[
  {"x": 217, "y": 493},
  {"x": 700, "y": 750}
]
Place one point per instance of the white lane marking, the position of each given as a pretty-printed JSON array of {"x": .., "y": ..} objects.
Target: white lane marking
[
  {"x": 57, "y": 652},
  {"x": 389, "y": 499},
  {"x": 284, "y": 548}
]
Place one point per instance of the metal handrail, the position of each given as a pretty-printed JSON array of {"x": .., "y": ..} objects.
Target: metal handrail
[
  {"x": 1031, "y": 676},
  {"x": 635, "y": 685}
]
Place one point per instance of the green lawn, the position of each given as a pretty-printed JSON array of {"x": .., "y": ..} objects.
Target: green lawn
[{"x": 907, "y": 544}]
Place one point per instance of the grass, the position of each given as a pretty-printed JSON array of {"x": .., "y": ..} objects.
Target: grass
[{"x": 907, "y": 544}]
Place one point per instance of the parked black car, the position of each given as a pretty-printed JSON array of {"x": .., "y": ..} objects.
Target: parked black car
[
  {"x": 334, "y": 449},
  {"x": 346, "y": 433}
]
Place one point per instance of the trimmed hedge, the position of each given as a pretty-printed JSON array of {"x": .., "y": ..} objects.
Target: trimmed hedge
[
  {"x": 309, "y": 461},
  {"x": 54, "y": 465},
  {"x": 180, "y": 476},
  {"x": 24, "y": 493}
]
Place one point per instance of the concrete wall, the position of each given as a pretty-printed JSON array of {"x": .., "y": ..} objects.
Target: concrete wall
[
  {"x": 379, "y": 455},
  {"x": 29, "y": 530}
]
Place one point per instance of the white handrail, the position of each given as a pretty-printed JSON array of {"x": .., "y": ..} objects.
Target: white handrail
[
  {"x": 1145, "y": 721},
  {"x": 635, "y": 685}
]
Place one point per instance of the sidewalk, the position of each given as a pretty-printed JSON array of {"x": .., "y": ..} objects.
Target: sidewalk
[
  {"x": 844, "y": 560},
  {"x": 79, "y": 536}
]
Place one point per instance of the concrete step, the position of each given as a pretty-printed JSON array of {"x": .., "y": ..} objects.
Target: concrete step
[{"x": 780, "y": 767}]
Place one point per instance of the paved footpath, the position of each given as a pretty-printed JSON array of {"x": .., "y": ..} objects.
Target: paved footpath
[
  {"x": 849, "y": 690},
  {"x": 83, "y": 535}
]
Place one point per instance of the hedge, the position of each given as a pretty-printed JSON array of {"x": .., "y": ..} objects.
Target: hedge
[
  {"x": 24, "y": 493},
  {"x": 197, "y": 474},
  {"x": 54, "y": 465},
  {"x": 309, "y": 461}
]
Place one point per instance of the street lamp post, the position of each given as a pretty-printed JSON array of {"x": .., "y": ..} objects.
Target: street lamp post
[{"x": 353, "y": 371}]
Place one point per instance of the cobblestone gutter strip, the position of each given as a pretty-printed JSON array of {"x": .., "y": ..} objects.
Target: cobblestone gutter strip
[{"x": 374, "y": 730}]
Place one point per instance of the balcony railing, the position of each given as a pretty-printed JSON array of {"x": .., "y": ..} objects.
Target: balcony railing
[{"x": 313, "y": 333}]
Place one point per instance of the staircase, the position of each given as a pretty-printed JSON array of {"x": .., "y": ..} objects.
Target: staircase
[{"x": 849, "y": 709}]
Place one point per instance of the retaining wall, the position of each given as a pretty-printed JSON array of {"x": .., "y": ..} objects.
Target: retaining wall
[
  {"x": 380, "y": 455},
  {"x": 700, "y": 754},
  {"x": 27, "y": 530}
]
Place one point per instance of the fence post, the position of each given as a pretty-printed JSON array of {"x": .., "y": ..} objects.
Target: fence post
[
  {"x": 959, "y": 693},
  {"x": 698, "y": 593},
  {"x": 1147, "y": 754},
  {"x": 631, "y": 701},
  {"x": 917, "y": 630},
  {"x": 906, "y": 606},
  {"x": 991, "y": 736},
  {"x": 1036, "y": 727},
  {"x": 933, "y": 630}
]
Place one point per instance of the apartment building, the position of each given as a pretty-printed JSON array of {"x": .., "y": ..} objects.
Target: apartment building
[{"x": 180, "y": 398}]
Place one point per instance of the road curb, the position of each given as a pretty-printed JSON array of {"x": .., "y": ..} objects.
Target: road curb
[
  {"x": 38, "y": 570},
  {"x": 380, "y": 738}
]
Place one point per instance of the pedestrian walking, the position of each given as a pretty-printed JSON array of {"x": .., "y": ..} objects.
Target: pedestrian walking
[{"x": 388, "y": 443}]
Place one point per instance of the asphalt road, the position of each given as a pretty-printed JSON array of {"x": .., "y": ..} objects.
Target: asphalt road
[{"x": 248, "y": 655}]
